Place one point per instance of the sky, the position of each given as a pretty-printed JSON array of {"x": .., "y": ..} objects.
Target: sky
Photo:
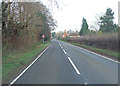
[{"x": 70, "y": 13}]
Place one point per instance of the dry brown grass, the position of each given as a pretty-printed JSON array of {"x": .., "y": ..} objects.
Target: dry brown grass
[
  {"x": 105, "y": 41},
  {"x": 17, "y": 44}
]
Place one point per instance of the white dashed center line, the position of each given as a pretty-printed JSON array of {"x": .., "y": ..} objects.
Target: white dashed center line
[
  {"x": 71, "y": 61},
  {"x": 60, "y": 46},
  {"x": 74, "y": 66},
  {"x": 64, "y": 51},
  {"x": 85, "y": 83}
]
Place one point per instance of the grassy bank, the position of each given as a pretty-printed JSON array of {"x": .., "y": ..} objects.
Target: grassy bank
[
  {"x": 109, "y": 53},
  {"x": 107, "y": 41},
  {"x": 14, "y": 62}
]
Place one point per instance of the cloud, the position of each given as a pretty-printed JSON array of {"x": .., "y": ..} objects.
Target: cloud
[{"x": 70, "y": 17}]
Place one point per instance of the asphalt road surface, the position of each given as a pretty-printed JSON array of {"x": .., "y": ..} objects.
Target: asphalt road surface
[{"x": 63, "y": 63}]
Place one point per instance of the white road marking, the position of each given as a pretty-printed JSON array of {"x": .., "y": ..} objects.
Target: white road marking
[
  {"x": 85, "y": 83},
  {"x": 74, "y": 66},
  {"x": 60, "y": 44},
  {"x": 101, "y": 56},
  {"x": 28, "y": 67},
  {"x": 62, "y": 48},
  {"x": 96, "y": 54},
  {"x": 64, "y": 51}
]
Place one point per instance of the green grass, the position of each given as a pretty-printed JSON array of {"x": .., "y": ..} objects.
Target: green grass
[
  {"x": 98, "y": 50},
  {"x": 12, "y": 63}
]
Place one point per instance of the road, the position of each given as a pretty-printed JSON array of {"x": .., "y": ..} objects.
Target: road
[{"x": 63, "y": 63}]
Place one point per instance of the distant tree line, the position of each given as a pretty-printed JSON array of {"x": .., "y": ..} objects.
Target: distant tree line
[{"x": 106, "y": 24}]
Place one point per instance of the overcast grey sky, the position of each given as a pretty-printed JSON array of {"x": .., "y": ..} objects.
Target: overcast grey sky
[{"x": 71, "y": 12}]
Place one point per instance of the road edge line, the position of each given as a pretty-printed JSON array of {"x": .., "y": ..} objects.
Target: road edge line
[
  {"x": 99, "y": 55},
  {"x": 95, "y": 53},
  {"x": 28, "y": 67}
]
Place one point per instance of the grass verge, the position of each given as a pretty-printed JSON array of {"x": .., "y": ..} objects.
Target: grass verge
[
  {"x": 105, "y": 52},
  {"x": 14, "y": 62}
]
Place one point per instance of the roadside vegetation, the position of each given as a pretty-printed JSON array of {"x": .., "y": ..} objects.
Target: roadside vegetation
[
  {"x": 14, "y": 62},
  {"x": 103, "y": 41},
  {"x": 105, "y": 52},
  {"x": 23, "y": 24}
]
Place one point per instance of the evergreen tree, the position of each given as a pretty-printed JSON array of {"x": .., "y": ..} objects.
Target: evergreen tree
[
  {"x": 84, "y": 29},
  {"x": 106, "y": 22}
]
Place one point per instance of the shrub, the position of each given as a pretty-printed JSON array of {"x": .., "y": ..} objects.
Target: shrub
[{"x": 104, "y": 41}]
